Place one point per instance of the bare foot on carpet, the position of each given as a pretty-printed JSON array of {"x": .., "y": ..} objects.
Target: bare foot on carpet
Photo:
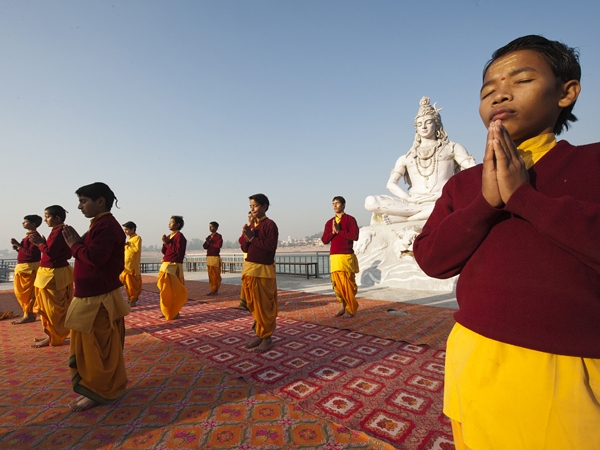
[
  {"x": 25, "y": 319},
  {"x": 213, "y": 293},
  {"x": 45, "y": 342},
  {"x": 265, "y": 345},
  {"x": 83, "y": 405},
  {"x": 340, "y": 313},
  {"x": 76, "y": 400},
  {"x": 254, "y": 343},
  {"x": 40, "y": 339},
  {"x": 133, "y": 303}
]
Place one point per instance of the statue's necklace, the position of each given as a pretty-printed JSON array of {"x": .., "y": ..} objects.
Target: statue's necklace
[{"x": 426, "y": 161}]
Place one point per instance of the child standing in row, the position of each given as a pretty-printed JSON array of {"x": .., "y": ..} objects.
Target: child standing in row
[
  {"x": 96, "y": 316},
  {"x": 173, "y": 293},
  {"x": 131, "y": 276},
  {"x": 259, "y": 286},
  {"x": 54, "y": 279},
  {"x": 28, "y": 262},
  {"x": 212, "y": 245}
]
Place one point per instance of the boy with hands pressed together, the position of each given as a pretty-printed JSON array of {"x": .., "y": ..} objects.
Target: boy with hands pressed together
[
  {"x": 523, "y": 360},
  {"x": 96, "y": 316}
]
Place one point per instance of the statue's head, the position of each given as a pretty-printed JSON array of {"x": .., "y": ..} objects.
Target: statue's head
[{"x": 429, "y": 114}]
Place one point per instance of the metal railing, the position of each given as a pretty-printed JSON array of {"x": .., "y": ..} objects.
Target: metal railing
[{"x": 305, "y": 264}]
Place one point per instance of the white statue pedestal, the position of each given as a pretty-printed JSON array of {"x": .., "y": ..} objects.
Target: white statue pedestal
[{"x": 385, "y": 258}]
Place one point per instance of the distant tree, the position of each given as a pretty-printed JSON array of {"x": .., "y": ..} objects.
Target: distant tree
[{"x": 195, "y": 244}]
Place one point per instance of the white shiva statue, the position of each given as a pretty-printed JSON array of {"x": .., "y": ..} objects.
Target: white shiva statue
[{"x": 429, "y": 163}]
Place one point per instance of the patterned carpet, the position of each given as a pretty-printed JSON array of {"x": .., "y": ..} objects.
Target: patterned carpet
[
  {"x": 174, "y": 400},
  {"x": 328, "y": 383},
  {"x": 417, "y": 324},
  {"x": 389, "y": 389}
]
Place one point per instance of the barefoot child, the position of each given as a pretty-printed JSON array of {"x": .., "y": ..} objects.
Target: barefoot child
[
  {"x": 97, "y": 314},
  {"x": 54, "y": 279},
  {"x": 341, "y": 231},
  {"x": 131, "y": 276},
  {"x": 259, "y": 286},
  {"x": 173, "y": 293},
  {"x": 28, "y": 262},
  {"x": 212, "y": 245},
  {"x": 523, "y": 360}
]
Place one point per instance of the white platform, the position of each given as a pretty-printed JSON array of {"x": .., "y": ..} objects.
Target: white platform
[{"x": 384, "y": 259}]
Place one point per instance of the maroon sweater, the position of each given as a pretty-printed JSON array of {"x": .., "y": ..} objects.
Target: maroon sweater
[
  {"x": 28, "y": 252},
  {"x": 342, "y": 242},
  {"x": 213, "y": 245},
  {"x": 264, "y": 245},
  {"x": 55, "y": 252},
  {"x": 174, "y": 249},
  {"x": 530, "y": 272},
  {"x": 99, "y": 258}
]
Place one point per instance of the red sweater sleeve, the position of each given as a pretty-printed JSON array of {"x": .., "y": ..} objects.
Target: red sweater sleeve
[
  {"x": 174, "y": 249},
  {"x": 349, "y": 228},
  {"x": 213, "y": 244},
  {"x": 327, "y": 233},
  {"x": 55, "y": 252},
  {"x": 453, "y": 232},
  {"x": 28, "y": 252}
]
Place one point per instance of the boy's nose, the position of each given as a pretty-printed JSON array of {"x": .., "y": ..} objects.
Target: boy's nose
[{"x": 502, "y": 95}]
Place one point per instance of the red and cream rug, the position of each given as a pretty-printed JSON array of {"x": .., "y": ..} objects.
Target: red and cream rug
[{"x": 388, "y": 389}]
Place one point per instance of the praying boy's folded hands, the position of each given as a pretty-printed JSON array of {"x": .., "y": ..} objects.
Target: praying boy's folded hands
[
  {"x": 503, "y": 167},
  {"x": 71, "y": 236},
  {"x": 247, "y": 232}
]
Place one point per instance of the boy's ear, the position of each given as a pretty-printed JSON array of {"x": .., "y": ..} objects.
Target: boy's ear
[{"x": 570, "y": 92}]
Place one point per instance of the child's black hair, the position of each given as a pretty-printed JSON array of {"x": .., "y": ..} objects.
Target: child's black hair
[
  {"x": 131, "y": 225},
  {"x": 35, "y": 219},
  {"x": 97, "y": 190},
  {"x": 57, "y": 211},
  {"x": 178, "y": 220},
  {"x": 261, "y": 199},
  {"x": 340, "y": 199},
  {"x": 562, "y": 59},
  {"x": 215, "y": 224}
]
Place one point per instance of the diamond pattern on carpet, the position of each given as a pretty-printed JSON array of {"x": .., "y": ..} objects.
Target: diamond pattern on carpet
[
  {"x": 174, "y": 400},
  {"x": 417, "y": 324},
  {"x": 391, "y": 390}
]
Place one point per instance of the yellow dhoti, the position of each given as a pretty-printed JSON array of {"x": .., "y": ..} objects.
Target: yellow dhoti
[
  {"x": 24, "y": 279},
  {"x": 259, "y": 289},
  {"x": 96, "y": 358},
  {"x": 343, "y": 268},
  {"x": 132, "y": 283},
  {"x": 54, "y": 292},
  {"x": 173, "y": 293},
  {"x": 213, "y": 265},
  {"x": 500, "y": 396}
]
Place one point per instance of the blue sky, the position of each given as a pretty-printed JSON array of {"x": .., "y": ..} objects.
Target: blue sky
[{"x": 189, "y": 107}]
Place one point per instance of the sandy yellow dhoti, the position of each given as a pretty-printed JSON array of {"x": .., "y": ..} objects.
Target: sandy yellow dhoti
[
  {"x": 24, "y": 279},
  {"x": 259, "y": 289},
  {"x": 343, "y": 268},
  {"x": 509, "y": 397},
  {"x": 173, "y": 293},
  {"x": 132, "y": 283},
  {"x": 96, "y": 358},
  {"x": 54, "y": 292},
  {"x": 213, "y": 265}
]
